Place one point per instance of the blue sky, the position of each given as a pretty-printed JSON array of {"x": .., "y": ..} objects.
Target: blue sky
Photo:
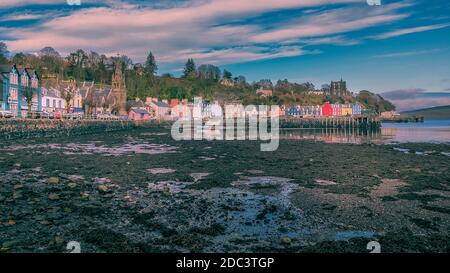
[{"x": 400, "y": 45}]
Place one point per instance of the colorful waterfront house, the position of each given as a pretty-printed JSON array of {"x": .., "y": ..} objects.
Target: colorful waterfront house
[
  {"x": 182, "y": 110},
  {"x": 264, "y": 92},
  {"x": 356, "y": 109},
  {"x": 346, "y": 110},
  {"x": 282, "y": 111},
  {"x": 14, "y": 82},
  {"x": 234, "y": 110},
  {"x": 174, "y": 102},
  {"x": 138, "y": 114},
  {"x": 52, "y": 101},
  {"x": 336, "y": 110},
  {"x": 293, "y": 112},
  {"x": 160, "y": 109},
  {"x": 136, "y": 104},
  {"x": 327, "y": 111},
  {"x": 251, "y": 111}
]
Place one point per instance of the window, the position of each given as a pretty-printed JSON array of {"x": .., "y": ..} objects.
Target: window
[
  {"x": 54, "y": 103},
  {"x": 47, "y": 103},
  {"x": 59, "y": 104}
]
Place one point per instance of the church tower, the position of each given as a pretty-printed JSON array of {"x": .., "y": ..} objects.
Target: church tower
[{"x": 119, "y": 90}]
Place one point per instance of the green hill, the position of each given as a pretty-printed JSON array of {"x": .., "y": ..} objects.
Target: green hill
[{"x": 440, "y": 112}]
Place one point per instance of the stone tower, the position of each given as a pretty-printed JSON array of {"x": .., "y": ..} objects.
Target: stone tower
[{"x": 119, "y": 90}]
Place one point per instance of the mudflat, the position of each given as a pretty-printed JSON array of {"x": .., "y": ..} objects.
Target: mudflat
[{"x": 141, "y": 191}]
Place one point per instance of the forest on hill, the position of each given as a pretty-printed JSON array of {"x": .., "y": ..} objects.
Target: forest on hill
[{"x": 206, "y": 80}]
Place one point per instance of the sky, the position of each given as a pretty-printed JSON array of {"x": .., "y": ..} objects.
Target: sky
[{"x": 398, "y": 47}]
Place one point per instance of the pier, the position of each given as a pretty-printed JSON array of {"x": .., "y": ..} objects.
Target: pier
[{"x": 363, "y": 123}]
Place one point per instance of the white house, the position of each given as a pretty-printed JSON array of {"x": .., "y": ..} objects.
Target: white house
[{"x": 52, "y": 101}]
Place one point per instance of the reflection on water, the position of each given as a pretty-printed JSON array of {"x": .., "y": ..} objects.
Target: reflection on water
[{"x": 430, "y": 131}]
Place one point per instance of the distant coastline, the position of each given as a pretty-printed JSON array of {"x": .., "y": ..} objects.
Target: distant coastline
[{"x": 439, "y": 113}]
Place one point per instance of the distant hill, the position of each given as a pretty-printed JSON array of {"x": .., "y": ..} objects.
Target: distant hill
[{"x": 440, "y": 112}]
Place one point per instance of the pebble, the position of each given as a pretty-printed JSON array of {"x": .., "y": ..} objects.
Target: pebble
[
  {"x": 72, "y": 185},
  {"x": 286, "y": 240},
  {"x": 53, "y": 196},
  {"x": 17, "y": 195},
  {"x": 53, "y": 180},
  {"x": 103, "y": 188}
]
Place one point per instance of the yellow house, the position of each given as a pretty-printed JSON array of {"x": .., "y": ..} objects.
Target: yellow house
[{"x": 347, "y": 110}]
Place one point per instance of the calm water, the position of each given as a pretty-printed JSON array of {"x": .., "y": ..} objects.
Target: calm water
[{"x": 431, "y": 131}]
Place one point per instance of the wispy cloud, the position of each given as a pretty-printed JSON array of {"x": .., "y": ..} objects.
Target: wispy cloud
[
  {"x": 410, "y": 53},
  {"x": 225, "y": 31},
  {"x": 406, "y": 31}
]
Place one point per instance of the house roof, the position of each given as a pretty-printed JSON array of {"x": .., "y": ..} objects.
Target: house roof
[
  {"x": 135, "y": 104},
  {"x": 140, "y": 111},
  {"x": 5, "y": 68},
  {"x": 161, "y": 104}
]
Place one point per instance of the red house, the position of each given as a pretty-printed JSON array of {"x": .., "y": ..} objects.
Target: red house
[
  {"x": 138, "y": 114},
  {"x": 173, "y": 103},
  {"x": 327, "y": 110}
]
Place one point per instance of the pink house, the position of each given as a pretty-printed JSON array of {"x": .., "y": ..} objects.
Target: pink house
[
  {"x": 264, "y": 93},
  {"x": 138, "y": 114}
]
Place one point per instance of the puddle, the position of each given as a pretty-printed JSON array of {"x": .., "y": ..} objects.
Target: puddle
[
  {"x": 93, "y": 148},
  {"x": 167, "y": 186},
  {"x": 405, "y": 151},
  {"x": 199, "y": 176},
  {"x": 325, "y": 182},
  {"x": 347, "y": 235},
  {"x": 154, "y": 134},
  {"x": 161, "y": 170},
  {"x": 206, "y": 158},
  {"x": 255, "y": 171}
]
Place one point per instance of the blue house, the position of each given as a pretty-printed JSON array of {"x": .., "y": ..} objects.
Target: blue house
[
  {"x": 13, "y": 81},
  {"x": 356, "y": 109},
  {"x": 293, "y": 111}
]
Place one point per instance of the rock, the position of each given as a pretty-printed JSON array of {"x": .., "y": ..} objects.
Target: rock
[
  {"x": 53, "y": 180},
  {"x": 45, "y": 223},
  {"x": 72, "y": 185},
  {"x": 286, "y": 240},
  {"x": 103, "y": 188},
  {"x": 11, "y": 222},
  {"x": 18, "y": 186},
  {"x": 53, "y": 196},
  {"x": 59, "y": 240},
  {"x": 9, "y": 244},
  {"x": 74, "y": 177},
  {"x": 67, "y": 210},
  {"x": 17, "y": 195}
]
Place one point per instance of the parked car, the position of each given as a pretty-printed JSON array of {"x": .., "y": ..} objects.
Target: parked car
[
  {"x": 57, "y": 115},
  {"x": 47, "y": 115},
  {"x": 6, "y": 114}
]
